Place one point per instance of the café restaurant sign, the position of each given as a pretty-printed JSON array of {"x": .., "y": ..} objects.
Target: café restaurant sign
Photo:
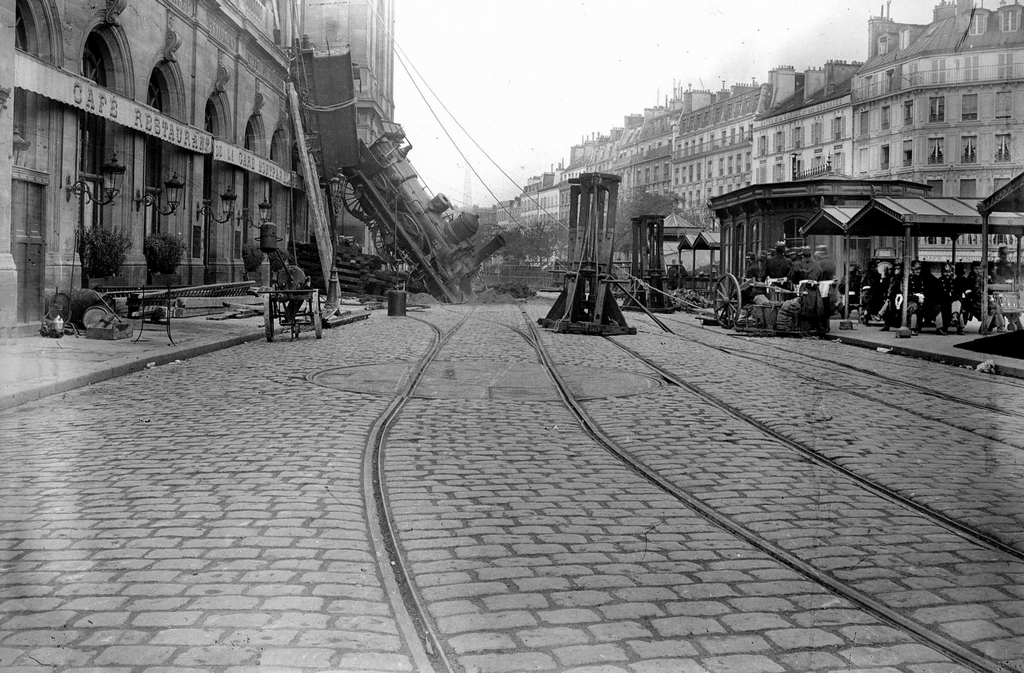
[
  {"x": 236, "y": 156},
  {"x": 76, "y": 91}
]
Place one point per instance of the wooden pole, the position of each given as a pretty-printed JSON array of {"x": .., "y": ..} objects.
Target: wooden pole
[{"x": 314, "y": 195}]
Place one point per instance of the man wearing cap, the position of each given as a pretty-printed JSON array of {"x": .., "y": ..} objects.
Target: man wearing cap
[
  {"x": 872, "y": 292},
  {"x": 806, "y": 269},
  {"x": 949, "y": 302},
  {"x": 778, "y": 265},
  {"x": 827, "y": 264},
  {"x": 753, "y": 270},
  {"x": 1003, "y": 272}
]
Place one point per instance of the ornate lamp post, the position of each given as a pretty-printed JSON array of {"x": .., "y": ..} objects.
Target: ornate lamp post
[
  {"x": 112, "y": 172},
  {"x": 173, "y": 190}
]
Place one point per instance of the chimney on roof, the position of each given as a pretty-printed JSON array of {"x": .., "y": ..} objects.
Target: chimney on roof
[
  {"x": 944, "y": 10},
  {"x": 783, "y": 81},
  {"x": 814, "y": 82}
]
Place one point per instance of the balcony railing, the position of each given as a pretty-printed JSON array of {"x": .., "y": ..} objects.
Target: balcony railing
[
  {"x": 817, "y": 171},
  {"x": 949, "y": 76}
]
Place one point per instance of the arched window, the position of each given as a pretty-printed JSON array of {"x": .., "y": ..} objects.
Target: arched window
[
  {"x": 93, "y": 149},
  {"x": 154, "y": 156}
]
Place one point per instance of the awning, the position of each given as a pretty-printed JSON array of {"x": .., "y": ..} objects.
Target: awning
[
  {"x": 945, "y": 216},
  {"x": 1009, "y": 197},
  {"x": 47, "y": 80},
  {"x": 707, "y": 240},
  {"x": 77, "y": 91},
  {"x": 830, "y": 221},
  {"x": 686, "y": 241},
  {"x": 250, "y": 161}
]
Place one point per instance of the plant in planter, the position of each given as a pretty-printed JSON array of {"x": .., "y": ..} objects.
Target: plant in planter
[
  {"x": 106, "y": 251},
  {"x": 252, "y": 258},
  {"x": 163, "y": 253}
]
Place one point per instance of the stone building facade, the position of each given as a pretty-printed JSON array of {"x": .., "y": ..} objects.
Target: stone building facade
[
  {"x": 191, "y": 91},
  {"x": 712, "y": 142},
  {"x": 113, "y": 112},
  {"x": 942, "y": 104}
]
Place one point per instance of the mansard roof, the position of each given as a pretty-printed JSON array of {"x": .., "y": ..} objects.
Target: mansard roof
[
  {"x": 948, "y": 36},
  {"x": 796, "y": 101}
]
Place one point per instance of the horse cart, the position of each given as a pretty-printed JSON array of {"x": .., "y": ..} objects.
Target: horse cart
[{"x": 770, "y": 308}]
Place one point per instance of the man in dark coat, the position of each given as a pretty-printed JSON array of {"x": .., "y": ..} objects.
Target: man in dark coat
[
  {"x": 827, "y": 264},
  {"x": 949, "y": 302},
  {"x": 806, "y": 269},
  {"x": 872, "y": 293},
  {"x": 778, "y": 265}
]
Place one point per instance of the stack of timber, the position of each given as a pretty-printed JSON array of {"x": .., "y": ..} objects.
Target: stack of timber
[{"x": 358, "y": 273}]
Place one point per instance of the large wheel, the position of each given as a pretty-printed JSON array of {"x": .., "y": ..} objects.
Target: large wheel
[
  {"x": 727, "y": 301},
  {"x": 268, "y": 318},
  {"x": 352, "y": 200}
]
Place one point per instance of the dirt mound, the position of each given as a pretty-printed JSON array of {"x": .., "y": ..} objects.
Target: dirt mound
[
  {"x": 490, "y": 296},
  {"x": 420, "y": 299}
]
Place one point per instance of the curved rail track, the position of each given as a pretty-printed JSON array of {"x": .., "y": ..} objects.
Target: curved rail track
[
  {"x": 668, "y": 481},
  {"x": 777, "y": 345}
]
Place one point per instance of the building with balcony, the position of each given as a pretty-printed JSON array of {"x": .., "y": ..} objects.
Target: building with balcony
[
  {"x": 805, "y": 127},
  {"x": 644, "y": 152},
  {"x": 711, "y": 142},
  {"x": 942, "y": 104}
]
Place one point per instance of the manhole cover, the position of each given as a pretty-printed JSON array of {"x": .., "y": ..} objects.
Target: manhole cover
[{"x": 469, "y": 379}]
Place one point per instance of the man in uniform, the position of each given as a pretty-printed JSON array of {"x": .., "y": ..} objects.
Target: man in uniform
[
  {"x": 778, "y": 265},
  {"x": 827, "y": 264},
  {"x": 806, "y": 269}
]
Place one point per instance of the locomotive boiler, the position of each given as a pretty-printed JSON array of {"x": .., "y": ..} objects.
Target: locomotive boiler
[{"x": 409, "y": 226}]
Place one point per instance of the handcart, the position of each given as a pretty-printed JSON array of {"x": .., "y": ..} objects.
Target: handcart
[
  {"x": 292, "y": 304},
  {"x": 771, "y": 309},
  {"x": 298, "y": 310}
]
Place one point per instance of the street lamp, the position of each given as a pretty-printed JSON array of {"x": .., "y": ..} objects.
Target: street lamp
[
  {"x": 227, "y": 200},
  {"x": 173, "y": 189},
  {"x": 264, "y": 207},
  {"x": 19, "y": 144},
  {"x": 112, "y": 174}
]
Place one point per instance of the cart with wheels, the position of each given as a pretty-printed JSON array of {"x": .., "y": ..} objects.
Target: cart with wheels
[
  {"x": 298, "y": 310},
  {"x": 769, "y": 308}
]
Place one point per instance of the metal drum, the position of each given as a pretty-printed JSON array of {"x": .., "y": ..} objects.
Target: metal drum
[{"x": 396, "y": 303}]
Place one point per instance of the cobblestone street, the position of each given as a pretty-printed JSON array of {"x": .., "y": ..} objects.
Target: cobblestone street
[{"x": 312, "y": 505}]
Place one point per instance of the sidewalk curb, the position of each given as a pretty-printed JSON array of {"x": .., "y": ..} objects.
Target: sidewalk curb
[
  {"x": 954, "y": 360},
  {"x": 122, "y": 367}
]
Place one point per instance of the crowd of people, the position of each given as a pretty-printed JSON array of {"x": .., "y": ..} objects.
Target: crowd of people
[{"x": 948, "y": 299}]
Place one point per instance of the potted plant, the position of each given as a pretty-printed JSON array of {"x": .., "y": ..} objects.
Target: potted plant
[
  {"x": 252, "y": 259},
  {"x": 163, "y": 253},
  {"x": 106, "y": 251}
]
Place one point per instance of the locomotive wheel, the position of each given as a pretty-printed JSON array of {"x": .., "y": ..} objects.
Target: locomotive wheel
[
  {"x": 350, "y": 199},
  {"x": 727, "y": 300}
]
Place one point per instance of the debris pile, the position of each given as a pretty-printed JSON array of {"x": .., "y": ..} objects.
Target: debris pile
[{"x": 358, "y": 273}]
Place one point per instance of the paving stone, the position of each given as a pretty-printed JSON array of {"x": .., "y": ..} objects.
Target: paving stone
[
  {"x": 507, "y": 663},
  {"x": 133, "y": 655}
]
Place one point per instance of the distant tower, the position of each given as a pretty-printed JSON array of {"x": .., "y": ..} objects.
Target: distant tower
[{"x": 467, "y": 190}]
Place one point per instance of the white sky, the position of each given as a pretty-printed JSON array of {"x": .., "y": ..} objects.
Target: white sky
[{"x": 529, "y": 78}]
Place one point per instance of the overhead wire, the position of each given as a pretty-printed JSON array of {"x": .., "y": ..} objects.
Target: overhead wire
[{"x": 406, "y": 63}]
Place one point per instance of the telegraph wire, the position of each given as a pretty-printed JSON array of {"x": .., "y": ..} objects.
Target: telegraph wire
[{"x": 406, "y": 63}]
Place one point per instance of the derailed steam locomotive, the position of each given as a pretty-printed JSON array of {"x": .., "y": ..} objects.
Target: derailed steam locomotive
[{"x": 384, "y": 191}]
